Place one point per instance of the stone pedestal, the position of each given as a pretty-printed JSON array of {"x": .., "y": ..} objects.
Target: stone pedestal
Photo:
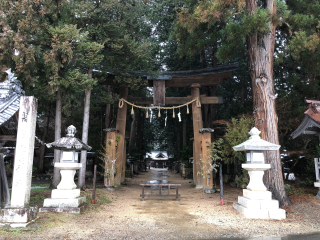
[
  {"x": 66, "y": 198},
  {"x": 18, "y": 217},
  {"x": 256, "y": 201},
  {"x": 317, "y": 184}
]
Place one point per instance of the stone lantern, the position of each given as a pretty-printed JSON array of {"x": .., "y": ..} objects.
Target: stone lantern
[
  {"x": 66, "y": 198},
  {"x": 256, "y": 201}
]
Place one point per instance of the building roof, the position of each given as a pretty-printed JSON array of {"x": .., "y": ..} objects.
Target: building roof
[
  {"x": 10, "y": 93},
  {"x": 310, "y": 125},
  {"x": 158, "y": 155}
]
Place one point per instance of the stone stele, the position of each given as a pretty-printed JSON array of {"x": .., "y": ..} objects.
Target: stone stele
[{"x": 19, "y": 214}]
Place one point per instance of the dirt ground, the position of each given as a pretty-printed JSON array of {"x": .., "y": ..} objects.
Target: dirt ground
[{"x": 121, "y": 214}]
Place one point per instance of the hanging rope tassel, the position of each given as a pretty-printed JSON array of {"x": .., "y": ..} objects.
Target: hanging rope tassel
[
  {"x": 159, "y": 114},
  {"x": 121, "y": 103},
  {"x": 198, "y": 103},
  {"x": 132, "y": 112},
  {"x": 147, "y": 114},
  {"x": 187, "y": 109},
  {"x": 173, "y": 116}
]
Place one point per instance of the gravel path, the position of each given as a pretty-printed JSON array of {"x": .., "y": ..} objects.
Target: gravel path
[{"x": 194, "y": 216}]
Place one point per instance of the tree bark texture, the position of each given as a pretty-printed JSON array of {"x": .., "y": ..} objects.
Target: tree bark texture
[
  {"x": 184, "y": 133},
  {"x": 140, "y": 123},
  {"x": 206, "y": 116},
  {"x": 212, "y": 106},
  {"x": 109, "y": 109},
  {"x": 260, "y": 51},
  {"x": 57, "y": 135},
  {"x": 178, "y": 141},
  {"x": 121, "y": 126},
  {"x": 44, "y": 138},
  {"x": 85, "y": 131},
  {"x": 132, "y": 133}
]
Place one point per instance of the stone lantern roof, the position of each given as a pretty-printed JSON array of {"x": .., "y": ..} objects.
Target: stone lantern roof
[
  {"x": 256, "y": 143},
  {"x": 69, "y": 142},
  {"x": 203, "y": 130}
]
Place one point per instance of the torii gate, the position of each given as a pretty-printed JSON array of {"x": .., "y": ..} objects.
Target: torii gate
[{"x": 191, "y": 78}]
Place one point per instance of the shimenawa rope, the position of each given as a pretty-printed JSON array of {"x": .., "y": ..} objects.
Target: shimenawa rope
[{"x": 122, "y": 101}]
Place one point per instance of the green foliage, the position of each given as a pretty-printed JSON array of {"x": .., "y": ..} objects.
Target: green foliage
[
  {"x": 242, "y": 180},
  {"x": 236, "y": 133},
  {"x": 186, "y": 152},
  {"x": 289, "y": 189},
  {"x": 188, "y": 165},
  {"x": 104, "y": 199},
  {"x": 309, "y": 176}
]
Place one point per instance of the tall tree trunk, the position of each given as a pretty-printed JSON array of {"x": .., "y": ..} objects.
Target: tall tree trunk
[
  {"x": 85, "y": 130},
  {"x": 140, "y": 122},
  {"x": 214, "y": 61},
  {"x": 57, "y": 135},
  {"x": 184, "y": 132},
  {"x": 121, "y": 126},
  {"x": 260, "y": 51},
  {"x": 178, "y": 141},
  {"x": 206, "y": 116},
  {"x": 44, "y": 138},
  {"x": 108, "y": 109},
  {"x": 132, "y": 133},
  {"x": 212, "y": 89},
  {"x": 212, "y": 106}
]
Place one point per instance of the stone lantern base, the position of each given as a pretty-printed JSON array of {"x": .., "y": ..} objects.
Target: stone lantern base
[
  {"x": 66, "y": 198},
  {"x": 256, "y": 202},
  {"x": 317, "y": 184},
  {"x": 64, "y": 201},
  {"x": 259, "y": 204}
]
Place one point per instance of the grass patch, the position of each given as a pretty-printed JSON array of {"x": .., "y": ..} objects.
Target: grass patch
[
  {"x": 40, "y": 185},
  {"x": 103, "y": 199},
  {"x": 38, "y": 195}
]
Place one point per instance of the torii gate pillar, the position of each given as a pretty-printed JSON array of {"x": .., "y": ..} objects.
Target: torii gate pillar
[
  {"x": 121, "y": 126},
  {"x": 197, "y": 125}
]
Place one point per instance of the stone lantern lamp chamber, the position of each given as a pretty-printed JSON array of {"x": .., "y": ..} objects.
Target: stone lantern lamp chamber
[
  {"x": 256, "y": 201},
  {"x": 66, "y": 198}
]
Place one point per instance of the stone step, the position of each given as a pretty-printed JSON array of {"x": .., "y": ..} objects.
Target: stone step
[
  {"x": 252, "y": 213},
  {"x": 67, "y": 194},
  {"x": 278, "y": 214},
  {"x": 258, "y": 204},
  {"x": 78, "y": 210},
  {"x": 64, "y": 203},
  {"x": 257, "y": 195}
]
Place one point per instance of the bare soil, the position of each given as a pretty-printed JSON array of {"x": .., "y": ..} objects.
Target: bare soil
[{"x": 121, "y": 214}]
